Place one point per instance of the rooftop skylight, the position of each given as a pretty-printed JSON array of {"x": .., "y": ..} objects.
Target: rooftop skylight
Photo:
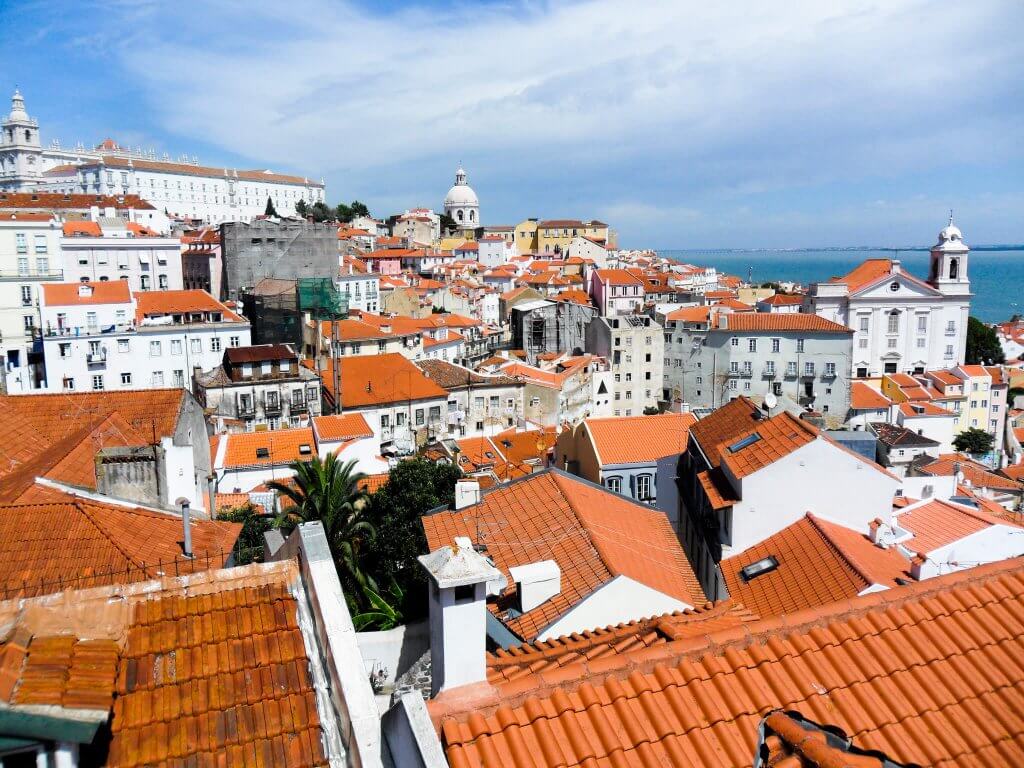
[
  {"x": 739, "y": 445},
  {"x": 759, "y": 568}
]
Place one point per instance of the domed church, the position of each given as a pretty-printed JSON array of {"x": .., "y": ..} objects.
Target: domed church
[{"x": 461, "y": 202}]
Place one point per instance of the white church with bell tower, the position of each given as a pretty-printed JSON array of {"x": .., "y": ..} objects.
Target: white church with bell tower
[{"x": 901, "y": 323}]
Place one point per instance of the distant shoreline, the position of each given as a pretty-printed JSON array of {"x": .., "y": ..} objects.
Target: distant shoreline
[{"x": 836, "y": 249}]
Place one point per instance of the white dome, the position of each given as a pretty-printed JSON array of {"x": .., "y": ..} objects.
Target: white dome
[
  {"x": 951, "y": 232},
  {"x": 459, "y": 196},
  {"x": 18, "y": 112}
]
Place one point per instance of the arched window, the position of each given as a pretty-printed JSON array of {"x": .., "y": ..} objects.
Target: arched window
[
  {"x": 954, "y": 268},
  {"x": 613, "y": 484},
  {"x": 472, "y": 215},
  {"x": 458, "y": 215},
  {"x": 28, "y": 135}
]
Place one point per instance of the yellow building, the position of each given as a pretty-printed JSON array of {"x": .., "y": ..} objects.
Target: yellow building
[
  {"x": 525, "y": 237},
  {"x": 554, "y": 235}
]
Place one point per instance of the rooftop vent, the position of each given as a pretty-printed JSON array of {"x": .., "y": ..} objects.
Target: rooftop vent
[
  {"x": 745, "y": 442},
  {"x": 536, "y": 583},
  {"x": 759, "y": 568}
]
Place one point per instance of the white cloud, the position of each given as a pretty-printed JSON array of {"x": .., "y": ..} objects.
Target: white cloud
[{"x": 681, "y": 103}]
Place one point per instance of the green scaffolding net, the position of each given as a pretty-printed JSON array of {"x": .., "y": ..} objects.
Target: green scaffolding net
[{"x": 319, "y": 297}]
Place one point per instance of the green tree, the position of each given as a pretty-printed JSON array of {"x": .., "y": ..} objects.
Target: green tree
[
  {"x": 344, "y": 213},
  {"x": 383, "y": 613},
  {"x": 358, "y": 209},
  {"x": 448, "y": 224},
  {"x": 249, "y": 546},
  {"x": 982, "y": 344},
  {"x": 414, "y": 487},
  {"x": 270, "y": 209},
  {"x": 301, "y": 208},
  {"x": 319, "y": 212},
  {"x": 973, "y": 440},
  {"x": 328, "y": 490}
]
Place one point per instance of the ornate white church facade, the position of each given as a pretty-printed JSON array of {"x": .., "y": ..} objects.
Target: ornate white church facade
[{"x": 902, "y": 324}]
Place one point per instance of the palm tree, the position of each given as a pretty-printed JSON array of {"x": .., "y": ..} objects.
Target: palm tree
[{"x": 328, "y": 490}]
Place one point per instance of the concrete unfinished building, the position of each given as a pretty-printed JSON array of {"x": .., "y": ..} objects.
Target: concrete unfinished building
[
  {"x": 285, "y": 249},
  {"x": 550, "y": 326}
]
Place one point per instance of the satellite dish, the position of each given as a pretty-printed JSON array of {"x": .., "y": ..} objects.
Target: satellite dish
[{"x": 770, "y": 400}]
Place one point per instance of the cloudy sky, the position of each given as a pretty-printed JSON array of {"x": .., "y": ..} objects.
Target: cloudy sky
[{"x": 684, "y": 124}]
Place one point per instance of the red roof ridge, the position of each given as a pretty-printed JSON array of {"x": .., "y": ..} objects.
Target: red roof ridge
[
  {"x": 840, "y": 551},
  {"x": 595, "y": 672}
]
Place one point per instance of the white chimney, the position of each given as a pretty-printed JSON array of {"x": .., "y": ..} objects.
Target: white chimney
[
  {"x": 896, "y": 267},
  {"x": 467, "y": 493},
  {"x": 536, "y": 583},
  {"x": 458, "y": 615}
]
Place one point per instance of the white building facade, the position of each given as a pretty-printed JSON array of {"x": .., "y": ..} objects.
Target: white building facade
[
  {"x": 183, "y": 188},
  {"x": 29, "y": 257},
  {"x": 100, "y": 336},
  {"x": 115, "y": 249},
  {"x": 902, "y": 324},
  {"x": 361, "y": 290}
]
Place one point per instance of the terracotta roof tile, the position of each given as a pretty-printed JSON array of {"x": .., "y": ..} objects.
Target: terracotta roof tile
[
  {"x": 593, "y": 535},
  {"x": 617, "y": 277},
  {"x": 341, "y": 426},
  {"x": 70, "y": 294},
  {"x": 938, "y": 523},
  {"x": 778, "y": 321},
  {"x": 976, "y": 473},
  {"x": 819, "y": 563},
  {"x": 865, "y": 273},
  {"x": 61, "y": 201},
  {"x": 915, "y": 673},
  {"x": 639, "y": 439},
  {"x": 75, "y": 543},
  {"x": 376, "y": 379},
  {"x": 68, "y": 672},
  {"x": 731, "y": 420},
  {"x": 532, "y": 658},
  {"x": 155, "y": 303},
  {"x": 776, "y": 437},
  {"x": 272, "y": 447},
  {"x": 866, "y": 398}
]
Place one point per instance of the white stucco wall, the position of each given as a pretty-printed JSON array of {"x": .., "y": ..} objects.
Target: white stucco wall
[
  {"x": 818, "y": 477},
  {"x": 621, "y": 599}
]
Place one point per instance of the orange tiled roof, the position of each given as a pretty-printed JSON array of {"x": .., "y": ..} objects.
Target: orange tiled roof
[
  {"x": 777, "y": 321},
  {"x": 779, "y": 436},
  {"x": 57, "y": 671},
  {"x": 574, "y": 296},
  {"x": 373, "y": 483},
  {"x": 59, "y": 200},
  {"x": 916, "y": 673},
  {"x": 865, "y": 398},
  {"x": 67, "y": 294},
  {"x": 45, "y": 433},
  {"x": 150, "y": 303},
  {"x": 377, "y": 379},
  {"x": 716, "y": 487},
  {"x": 281, "y": 446},
  {"x": 593, "y": 535},
  {"x": 77, "y": 543},
  {"x": 819, "y": 563},
  {"x": 938, "y": 523},
  {"x": 77, "y": 228},
  {"x": 531, "y": 658},
  {"x": 865, "y": 273},
  {"x": 341, "y": 426},
  {"x": 639, "y": 439},
  {"x": 783, "y": 300},
  {"x": 690, "y": 314},
  {"x": 617, "y": 277},
  {"x": 733, "y": 419},
  {"x": 976, "y": 473}
]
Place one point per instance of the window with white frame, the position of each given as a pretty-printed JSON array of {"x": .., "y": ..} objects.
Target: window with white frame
[
  {"x": 155, "y": 349},
  {"x": 176, "y": 346},
  {"x": 126, "y": 379},
  {"x": 97, "y": 381},
  {"x": 808, "y": 369},
  {"x": 776, "y": 345},
  {"x": 799, "y": 346},
  {"x": 894, "y": 322},
  {"x": 158, "y": 378},
  {"x": 752, "y": 345},
  {"x": 123, "y": 346},
  {"x": 613, "y": 484},
  {"x": 864, "y": 324},
  {"x": 922, "y": 323},
  {"x": 830, "y": 369},
  {"x": 644, "y": 488},
  {"x": 215, "y": 344}
]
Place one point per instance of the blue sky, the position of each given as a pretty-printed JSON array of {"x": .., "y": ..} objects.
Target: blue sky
[{"x": 683, "y": 124}]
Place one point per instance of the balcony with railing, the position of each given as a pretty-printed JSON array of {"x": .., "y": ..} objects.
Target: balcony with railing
[
  {"x": 246, "y": 407},
  {"x": 272, "y": 406},
  {"x": 298, "y": 405},
  {"x": 768, "y": 372},
  {"x": 87, "y": 330},
  {"x": 97, "y": 357},
  {"x": 31, "y": 274}
]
